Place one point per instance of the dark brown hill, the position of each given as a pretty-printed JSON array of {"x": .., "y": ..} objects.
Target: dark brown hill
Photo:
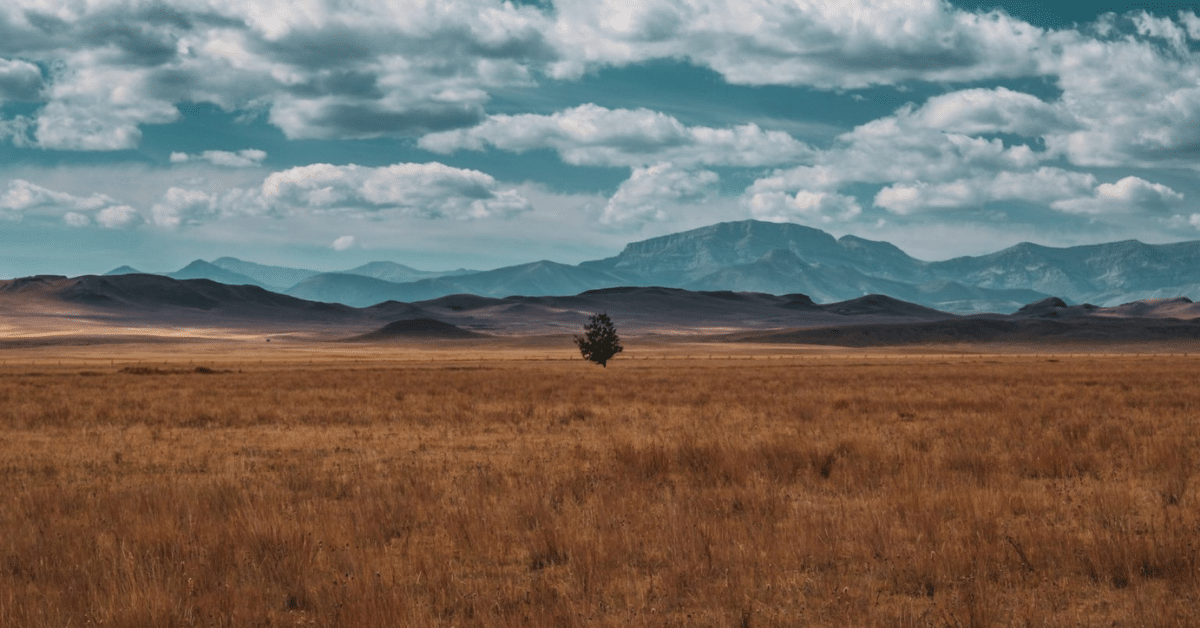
[
  {"x": 1088, "y": 331},
  {"x": 416, "y": 329},
  {"x": 150, "y": 296}
]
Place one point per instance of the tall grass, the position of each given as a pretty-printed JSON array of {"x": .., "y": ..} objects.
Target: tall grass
[{"x": 722, "y": 493}]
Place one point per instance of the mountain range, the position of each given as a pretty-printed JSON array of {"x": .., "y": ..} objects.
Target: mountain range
[{"x": 772, "y": 258}]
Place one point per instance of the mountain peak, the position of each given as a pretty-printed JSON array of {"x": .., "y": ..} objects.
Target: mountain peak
[
  {"x": 124, "y": 270},
  {"x": 200, "y": 265},
  {"x": 200, "y": 269},
  {"x": 1045, "y": 307}
]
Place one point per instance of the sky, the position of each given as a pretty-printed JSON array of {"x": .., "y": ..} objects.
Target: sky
[{"x": 448, "y": 134}]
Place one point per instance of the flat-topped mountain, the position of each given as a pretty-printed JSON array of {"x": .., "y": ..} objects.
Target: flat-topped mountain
[{"x": 693, "y": 255}]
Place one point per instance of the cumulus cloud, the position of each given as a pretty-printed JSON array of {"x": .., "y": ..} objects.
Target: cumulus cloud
[
  {"x": 923, "y": 153},
  {"x": 430, "y": 190},
  {"x": 118, "y": 216},
  {"x": 76, "y": 219},
  {"x": 935, "y": 143},
  {"x": 95, "y": 105},
  {"x": 1192, "y": 23},
  {"x": 18, "y": 130},
  {"x": 22, "y": 196},
  {"x": 803, "y": 206},
  {"x": 180, "y": 206},
  {"x": 1134, "y": 103},
  {"x": 999, "y": 110},
  {"x": 842, "y": 45},
  {"x": 650, "y": 191},
  {"x": 1163, "y": 28},
  {"x": 343, "y": 243},
  {"x": 248, "y": 158},
  {"x": 1129, "y": 195},
  {"x": 1045, "y": 185},
  {"x": 19, "y": 80},
  {"x": 593, "y": 135}
]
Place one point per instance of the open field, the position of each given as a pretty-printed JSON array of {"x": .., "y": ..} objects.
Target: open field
[{"x": 685, "y": 485}]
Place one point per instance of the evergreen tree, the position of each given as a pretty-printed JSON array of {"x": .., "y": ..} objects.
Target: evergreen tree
[{"x": 599, "y": 342}]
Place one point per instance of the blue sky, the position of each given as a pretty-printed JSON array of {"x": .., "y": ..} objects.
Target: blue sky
[{"x": 474, "y": 133}]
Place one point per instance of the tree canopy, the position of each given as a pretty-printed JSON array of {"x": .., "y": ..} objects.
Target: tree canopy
[{"x": 599, "y": 342}]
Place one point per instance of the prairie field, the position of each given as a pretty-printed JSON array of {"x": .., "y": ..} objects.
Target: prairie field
[{"x": 785, "y": 489}]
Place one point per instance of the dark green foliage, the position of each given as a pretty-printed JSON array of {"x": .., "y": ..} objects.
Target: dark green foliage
[{"x": 599, "y": 342}]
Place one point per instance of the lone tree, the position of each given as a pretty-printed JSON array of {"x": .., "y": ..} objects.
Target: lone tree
[{"x": 599, "y": 342}]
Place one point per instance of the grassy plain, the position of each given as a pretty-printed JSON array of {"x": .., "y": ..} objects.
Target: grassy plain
[{"x": 379, "y": 487}]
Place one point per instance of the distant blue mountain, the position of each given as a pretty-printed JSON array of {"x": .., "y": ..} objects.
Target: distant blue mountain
[
  {"x": 124, "y": 270},
  {"x": 277, "y": 278},
  {"x": 201, "y": 269}
]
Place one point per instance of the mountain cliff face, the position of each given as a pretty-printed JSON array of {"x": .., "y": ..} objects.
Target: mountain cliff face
[
  {"x": 1101, "y": 272},
  {"x": 693, "y": 254}
]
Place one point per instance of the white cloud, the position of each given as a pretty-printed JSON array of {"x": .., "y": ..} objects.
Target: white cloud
[
  {"x": 649, "y": 193},
  {"x": 1162, "y": 28},
  {"x": 76, "y": 219},
  {"x": 343, "y": 243},
  {"x": 97, "y": 105},
  {"x": 23, "y": 196},
  {"x": 118, "y": 216},
  {"x": 19, "y": 80},
  {"x": 914, "y": 150},
  {"x": 842, "y": 45},
  {"x": 430, "y": 190},
  {"x": 248, "y": 158},
  {"x": 18, "y": 130},
  {"x": 181, "y": 206},
  {"x": 803, "y": 206},
  {"x": 907, "y": 198},
  {"x": 907, "y": 146},
  {"x": 593, "y": 135},
  {"x": 1045, "y": 185},
  {"x": 1192, "y": 23},
  {"x": 1131, "y": 195},
  {"x": 999, "y": 110},
  {"x": 1134, "y": 103}
]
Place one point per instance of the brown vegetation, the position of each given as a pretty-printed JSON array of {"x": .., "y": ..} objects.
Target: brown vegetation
[{"x": 1005, "y": 491}]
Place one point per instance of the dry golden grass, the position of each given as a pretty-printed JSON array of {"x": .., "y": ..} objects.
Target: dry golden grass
[{"x": 1005, "y": 491}]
